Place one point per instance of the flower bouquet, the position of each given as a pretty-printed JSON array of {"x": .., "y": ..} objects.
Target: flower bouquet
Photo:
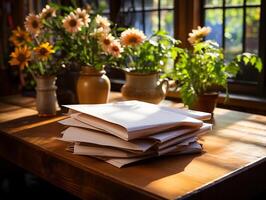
[
  {"x": 92, "y": 45},
  {"x": 36, "y": 51}
]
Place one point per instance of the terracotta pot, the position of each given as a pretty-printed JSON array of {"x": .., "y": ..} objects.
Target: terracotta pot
[
  {"x": 205, "y": 103},
  {"x": 144, "y": 87},
  {"x": 46, "y": 100},
  {"x": 93, "y": 86}
]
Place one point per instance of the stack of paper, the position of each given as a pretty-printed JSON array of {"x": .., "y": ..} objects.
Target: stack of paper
[{"x": 125, "y": 132}]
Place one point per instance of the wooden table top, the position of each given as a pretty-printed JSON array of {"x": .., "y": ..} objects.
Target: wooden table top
[{"x": 236, "y": 144}]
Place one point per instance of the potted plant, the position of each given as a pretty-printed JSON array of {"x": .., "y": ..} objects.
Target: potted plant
[
  {"x": 144, "y": 60},
  {"x": 36, "y": 51},
  {"x": 91, "y": 45},
  {"x": 202, "y": 70}
]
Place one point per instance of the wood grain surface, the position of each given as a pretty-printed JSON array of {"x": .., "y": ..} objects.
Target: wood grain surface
[{"x": 232, "y": 162}]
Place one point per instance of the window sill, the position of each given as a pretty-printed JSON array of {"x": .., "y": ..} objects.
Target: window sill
[{"x": 238, "y": 102}]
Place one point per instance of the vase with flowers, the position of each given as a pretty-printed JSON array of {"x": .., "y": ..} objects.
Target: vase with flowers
[
  {"x": 36, "y": 51},
  {"x": 92, "y": 45},
  {"x": 144, "y": 60},
  {"x": 202, "y": 71}
]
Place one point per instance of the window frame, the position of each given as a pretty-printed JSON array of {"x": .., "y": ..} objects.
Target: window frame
[
  {"x": 236, "y": 86},
  {"x": 118, "y": 5}
]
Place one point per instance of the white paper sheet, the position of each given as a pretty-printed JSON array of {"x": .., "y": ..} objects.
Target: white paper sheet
[
  {"x": 169, "y": 135},
  {"x": 74, "y": 134},
  {"x": 190, "y": 113},
  {"x": 129, "y": 119},
  {"x": 76, "y": 123},
  {"x": 104, "y": 151},
  {"x": 194, "y": 147}
]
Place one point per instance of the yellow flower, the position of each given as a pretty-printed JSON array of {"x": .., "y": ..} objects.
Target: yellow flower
[
  {"x": 43, "y": 51},
  {"x": 103, "y": 22},
  {"x": 106, "y": 42},
  {"x": 20, "y": 37},
  {"x": 82, "y": 14},
  {"x": 33, "y": 24},
  {"x": 115, "y": 49},
  {"x": 47, "y": 12},
  {"x": 132, "y": 37},
  {"x": 72, "y": 23},
  {"x": 20, "y": 57},
  {"x": 198, "y": 34}
]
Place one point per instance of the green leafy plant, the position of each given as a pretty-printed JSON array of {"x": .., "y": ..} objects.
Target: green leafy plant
[
  {"x": 147, "y": 55},
  {"x": 203, "y": 68}
]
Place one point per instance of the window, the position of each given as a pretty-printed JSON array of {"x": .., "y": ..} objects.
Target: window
[
  {"x": 235, "y": 26},
  {"x": 148, "y": 15}
]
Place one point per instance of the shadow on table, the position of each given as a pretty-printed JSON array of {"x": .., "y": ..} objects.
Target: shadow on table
[{"x": 162, "y": 167}]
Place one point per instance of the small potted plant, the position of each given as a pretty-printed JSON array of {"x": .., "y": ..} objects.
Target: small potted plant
[
  {"x": 36, "y": 51},
  {"x": 200, "y": 71},
  {"x": 144, "y": 60}
]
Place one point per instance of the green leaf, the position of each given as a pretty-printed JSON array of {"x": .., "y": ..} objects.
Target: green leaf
[{"x": 258, "y": 65}]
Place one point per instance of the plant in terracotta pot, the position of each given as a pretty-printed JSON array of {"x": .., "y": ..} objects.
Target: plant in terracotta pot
[
  {"x": 36, "y": 51},
  {"x": 144, "y": 60},
  {"x": 202, "y": 70},
  {"x": 91, "y": 45}
]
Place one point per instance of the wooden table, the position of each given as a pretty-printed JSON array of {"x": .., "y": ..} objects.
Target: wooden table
[{"x": 233, "y": 165}]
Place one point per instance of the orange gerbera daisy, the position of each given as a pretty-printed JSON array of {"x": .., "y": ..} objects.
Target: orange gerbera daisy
[
  {"x": 72, "y": 23},
  {"x": 198, "y": 34},
  {"x": 43, "y": 51},
  {"x": 83, "y": 15},
  {"x": 19, "y": 37},
  {"x": 47, "y": 12},
  {"x": 20, "y": 57},
  {"x": 33, "y": 24},
  {"x": 132, "y": 37},
  {"x": 106, "y": 42},
  {"x": 115, "y": 49},
  {"x": 103, "y": 22}
]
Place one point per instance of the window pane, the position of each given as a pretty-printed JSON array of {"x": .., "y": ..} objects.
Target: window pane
[
  {"x": 214, "y": 19},
  {"x": 167, "y": 4},
  {"x": 131, "y": 19},
  {"x": 233, "y": 2},
  {"x": 253, "y": 2},
  {"x": 150, "y": 4},
  {"x": 151, "y": 22},
  {"x": 213, "y": 2},
  {"x": 167, "y": 21},
  {"x": 252, "y": 29},
  {"x": 131, "y": 5},
  {"x": 233, "y": 32}
]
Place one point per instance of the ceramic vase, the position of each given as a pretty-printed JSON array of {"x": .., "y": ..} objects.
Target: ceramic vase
[
  {"x": 93, "y": 86},
  {"x": 46, "y": 100},
  {"x": 144, "y": 87}
]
